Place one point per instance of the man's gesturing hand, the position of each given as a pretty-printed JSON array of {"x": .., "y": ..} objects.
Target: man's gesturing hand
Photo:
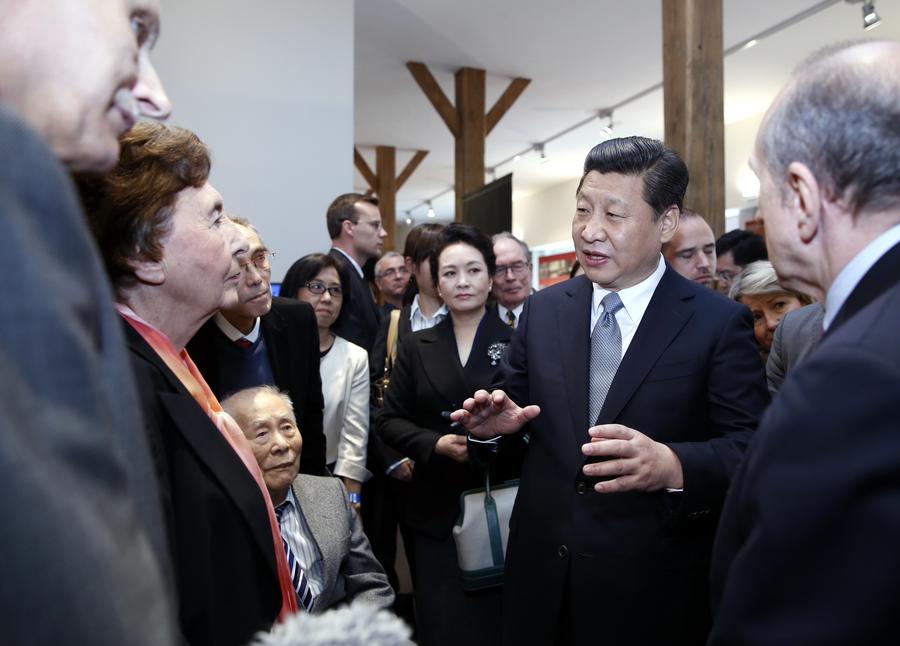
[
  {"x": 486, "y": 415},
  {"x": 634, "y": 461}
]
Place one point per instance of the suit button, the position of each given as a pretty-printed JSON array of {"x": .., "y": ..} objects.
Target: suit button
[
  {"x": 581, "y": 487},
  {"x": 562, "y": 551}
]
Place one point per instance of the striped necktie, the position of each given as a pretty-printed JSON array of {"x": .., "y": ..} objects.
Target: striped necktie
[
  {"x": 298, "y": 577},
  {"x": 511, "y": 319},
  {"x": 606, "y": 353}
]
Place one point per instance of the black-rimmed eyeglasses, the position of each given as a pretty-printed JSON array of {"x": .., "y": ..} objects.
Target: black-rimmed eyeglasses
[{"x": 318, "y": 289}]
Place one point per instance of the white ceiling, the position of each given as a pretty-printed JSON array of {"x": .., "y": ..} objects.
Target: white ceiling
[{"x": 582, "y": 56}]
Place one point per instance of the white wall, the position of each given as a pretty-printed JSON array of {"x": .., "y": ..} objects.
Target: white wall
[
  {"x": 545, "y": 216},
  {"x": 268, "y": 86}
]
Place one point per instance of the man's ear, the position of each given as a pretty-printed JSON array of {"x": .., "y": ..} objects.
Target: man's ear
[
  {"x": 150, "y": 272},
  {"x": 347, "y": 227},
  {"x": 806, "y": 197},
  {"x": 668, "y": 223}
]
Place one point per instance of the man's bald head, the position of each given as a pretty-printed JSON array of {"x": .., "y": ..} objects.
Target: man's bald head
[{"x": 838, "y": 116}]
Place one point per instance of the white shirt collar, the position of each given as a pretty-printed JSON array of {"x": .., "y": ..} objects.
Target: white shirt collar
[
  {"x": 517, "y": 311},
  {"x": 352, "y": 262},
  {"x": 232, "y": 332},
  {"x": 849, "y": 277},
  {"x": 635, "y": 299}
]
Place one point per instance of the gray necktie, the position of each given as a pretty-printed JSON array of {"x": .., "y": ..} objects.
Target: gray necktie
[{"x": 606, "y": 353}]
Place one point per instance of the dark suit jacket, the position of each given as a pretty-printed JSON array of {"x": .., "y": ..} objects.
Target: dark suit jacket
[
  {"x": 292, "y": 340},
  {"x": 360, "y": 324},
  {"x": 83, "y": 541},
  {"x": 806, "y": 551},
  {"x": 794, "y": 338},
  {"x": 633, "y": 566},
  {"x": 350, "y": 570},
  {"x": 427, "y": 382},
  {"x": 221, "y": 540}
]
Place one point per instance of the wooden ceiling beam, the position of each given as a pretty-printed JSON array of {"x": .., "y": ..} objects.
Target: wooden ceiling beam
[
  {"x": 364, "y": 169},
  {"x": 504, "y": 103},
  {"x": 435, "y": 95},
  {"x": 410, "y": 167}
]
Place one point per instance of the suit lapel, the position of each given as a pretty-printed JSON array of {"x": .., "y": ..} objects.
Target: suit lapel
[
  {"x": 481, "y": 369},
  {"x": 669, "y": 310},
  {"x": 314, "y": 505},
  {"x": 440, "y": 360},
  {"x": 573, "y": 341},
  {"x": 880, "y": 277},
  {"x": 273, "y": 330},
  {"x": 211, "y": 449}
]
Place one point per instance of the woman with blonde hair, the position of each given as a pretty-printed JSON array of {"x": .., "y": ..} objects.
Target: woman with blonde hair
[{"x": 758, "y": 288}]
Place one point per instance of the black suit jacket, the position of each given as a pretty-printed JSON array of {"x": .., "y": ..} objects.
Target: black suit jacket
[
  {"x": 360, "y": 324},
  {"x": 222, "y": 547},
  {"x": 427, "y": 382},
  {"x": 633, "y": 566},
  {"x": 292, "y": 340},
  {"x": 806, "y": 551}
]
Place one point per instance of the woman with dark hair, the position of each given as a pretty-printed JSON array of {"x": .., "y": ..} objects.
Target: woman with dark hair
[
  {"x": 436, "y": 370},
  {"x": 323, "y": 281},
  {"x": 171, "y": 253}
]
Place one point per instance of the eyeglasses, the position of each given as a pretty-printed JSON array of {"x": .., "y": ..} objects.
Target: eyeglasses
[
  {"x": 726, "y": 276},
  {"x": 260, "y": 260},
  {"x": 517, "y": 268},
  {"x": 319, "y": 288},
  {"x": 393, "y": 271},
  {"x": 375, "y": 224}
]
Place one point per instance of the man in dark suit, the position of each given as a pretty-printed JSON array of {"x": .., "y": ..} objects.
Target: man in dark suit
[
  {"x": 262, "y": 340},
  {"x": 512, "y": 278},
  {"x": 806, "y": 552},
  {"x": 83, "y": 541},
  {"x": 654, "y": 379},
  {"x": 354, "y": 225}
]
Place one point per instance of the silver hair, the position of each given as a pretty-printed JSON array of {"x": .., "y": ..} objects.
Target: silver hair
[
  {"x": 839, "y": 117},
  {"x": 506, "y": 235},
  {"x": 233, "y": 403},
  {"x": 359, "y": 624},
  {"x": 386, "y": 256},
  {"x": 759, "y": 279}
]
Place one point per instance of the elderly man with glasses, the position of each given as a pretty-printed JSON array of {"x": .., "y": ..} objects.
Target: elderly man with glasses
[
  {"x": 266, "y": 341},
  {"x": 391, "y": 278},
  {"x": 512, "y": 277}
]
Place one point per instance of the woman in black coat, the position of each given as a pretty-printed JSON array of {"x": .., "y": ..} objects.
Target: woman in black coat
[{"x": 436, "y": 370}]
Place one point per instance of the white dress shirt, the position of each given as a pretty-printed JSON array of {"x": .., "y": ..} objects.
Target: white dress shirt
[
  {"x": 296, "y": 532},
  {"x": 417, "y": 319},
  {"x": 345, "y": 419},
  {"x": 232, "y": 332},
  {"x": 635, "y": 300},
  {"x": 850, "y": 275}
]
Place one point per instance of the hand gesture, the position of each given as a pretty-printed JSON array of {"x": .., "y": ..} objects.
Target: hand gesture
[{"x": 487, "y": 415}]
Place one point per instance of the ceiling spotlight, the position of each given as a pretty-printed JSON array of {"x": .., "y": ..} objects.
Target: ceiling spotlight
[
  {"x": 750, "y": 43},
  {"x": 871, "y": 19},
  {"x": 608, "y": 128},
  {"x": 408, "y": 221},
  {"x": 517, "y": 158},
  {"x": 430, "y": 212},
  {"x": 543, "y": 155}
]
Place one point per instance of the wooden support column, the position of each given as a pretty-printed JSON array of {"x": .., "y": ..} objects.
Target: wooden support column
[
  {"x": 693, "y": 100},
  {"x": 386, "y": 183},
  {"x": 467, "y": 120}
]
